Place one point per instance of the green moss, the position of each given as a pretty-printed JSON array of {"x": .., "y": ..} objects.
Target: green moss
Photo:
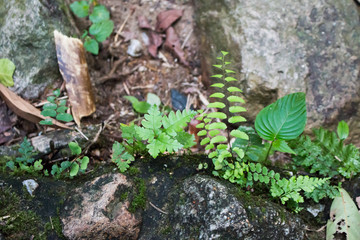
[
  {"x": 139, "y": 199},
  {"x": 167, "y": 230},
  {"x": 124, "y": 196},
  {"x": 132, "y": 171},
  {"x": 56, "y": 222}
]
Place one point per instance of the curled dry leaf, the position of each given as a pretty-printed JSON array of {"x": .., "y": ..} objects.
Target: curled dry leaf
[
  {"x": 165, "y": 19},
  {"x": 143, "y": 22},
  {"x": 24, "y": 109},
  {"x": 73, "y": 67},
  {"x": 172, "y": 43},
  {"x": 155, "y": 42}
]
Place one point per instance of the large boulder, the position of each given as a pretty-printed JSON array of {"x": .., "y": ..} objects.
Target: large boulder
[
  {"x": 280, "y": 47},
  {"x": 26, "y": 38}
]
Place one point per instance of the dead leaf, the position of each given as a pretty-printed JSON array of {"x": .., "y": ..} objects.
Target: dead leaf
[
  {"x": 155, "y": 42},
  {"x": 165, "y": 19},
  {"x": 24, "y": 109},
  {"x": 172, "y": 43},
  {"x": 127, "y": 36},
  {"x": 143, "y": 22},
  {"x": 73, "y": 67}
]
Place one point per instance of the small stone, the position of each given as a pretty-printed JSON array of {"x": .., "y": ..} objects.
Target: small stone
[
  {"x": 135, "y": 48},
  {"x": 30, "y": 185}
]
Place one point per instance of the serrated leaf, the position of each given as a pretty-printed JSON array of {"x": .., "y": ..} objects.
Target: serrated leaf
[
  {"x": 7, "y": 69},
  {"x": 218, "y": 85},
  {"x": 344, "y": 218},
  {"x": 80, "y": 8},
  {"x": 65, "y": 117},
  {"x": 234, "y": 89},
  {"x": 175, "y": 122},
  {"x": 236, "y": 119},
  {"x": 91, "y": 45},
  {"x": 239, "y": 134},
  {"x": 236, "y": 109},
  {"x": 285, "y": 119},
  {"x": 84, "y": 163},
  {"x": 217, "y": 125},
  {"x": 282, "y": 146},
  {"x": 75, "y": 148},
  {"x": 99, "y": 14},
  {"x": 217, "y": 76},
  {"x": 101, "y": 30},
  {"x": 74, "y": 169},
  {"x": 235, "y": 99},
  {"x": 216, "y": 105},
  {"x": 217, "y": 95},
  {"x": 185, "y": 139},
  {"x": 153, "y": 119},
  {"x": 342, "y": 130},
  {"x": 219, "y": 115},
  {"x": 218, "y": 138}
]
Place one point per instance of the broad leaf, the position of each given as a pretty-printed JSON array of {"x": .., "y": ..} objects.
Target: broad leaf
[
  {"x": 285, "y": 119},
  {"x": 7, "y": 69},
  {"x": 92, "y": 46},
  {"x": 153, "y": 99},
  {"x": 65, "y": 117},
  {"x": 99, "y": 14},
  {"x": 282, "y": 146},
  {"x": 343, "y": 130},
  {"x": 102, "y": 30},
  {"x": 80, "y": 8},
  {"x": 344, "y": 218},
  {"x": 84, "y": 163},
  {"x": 74, "y": 169},
  {"x": 75, "y": 148}
]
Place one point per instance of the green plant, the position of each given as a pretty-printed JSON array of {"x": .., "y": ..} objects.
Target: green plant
[
  {"x": 283, "y": 120},
  {"x": 344, "y": 218},
  {"x": 101, "y": 27},
  {"x": 7, "y": 69},
  {"x": 55, "y": 108},
  {"x": 327, "y": 154},
  {"x": 77, "y": 165},
  {"x": 26, "y": 161},
  {"x": 157, "y": 134}
]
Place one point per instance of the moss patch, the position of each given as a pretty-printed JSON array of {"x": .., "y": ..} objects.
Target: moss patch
[{"x": 139, "y": 199}]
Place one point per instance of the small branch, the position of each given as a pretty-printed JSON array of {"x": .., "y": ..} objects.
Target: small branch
[
  {"x": 122, "y": 26},
  {"x": 160, "y": 210},
  {"x": 268, "y": 152},
  {"x": 52, "y": 226},
  {"x": 81, "y": 133},
  {"x": 186, "y": 39}
]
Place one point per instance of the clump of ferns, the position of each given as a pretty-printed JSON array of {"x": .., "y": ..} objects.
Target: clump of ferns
[{"x": 212, "y": 124}]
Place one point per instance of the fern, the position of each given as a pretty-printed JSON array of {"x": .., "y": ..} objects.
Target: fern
[{"x": 121, "y": 157}]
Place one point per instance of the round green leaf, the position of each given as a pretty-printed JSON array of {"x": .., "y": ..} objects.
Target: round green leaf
[
  {"x": 65, "y": 117},
  {"x": 7, "y": 69},
  {"x": 47, "y": 121},
  {"x": 216, "y": 105},
  {"x": 61, "y": 109},
  {"x": 52, "y": 106},
  {"x": 217, "y": 95},
  {"x": 57, "y": 92},
  {"x": 102, "y": 30},
  {"x": 218, "y": 138},
  {"x": 75, "y": 148},
  {"x": 99, "y": 14},
  {"x": 343, "y": 130},
  {"x": 285, "y": 119},
  {"x": 80, "y": 8},
  {"x": 48, "y": 113},
  {"x": 84, "y": 163},
  {"x": 74, "y": 169},
  {"x": 92, "y": 46},
  {"x": 153, "y": 99}
]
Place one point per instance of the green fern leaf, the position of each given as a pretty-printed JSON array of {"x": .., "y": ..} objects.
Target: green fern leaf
[
  {"x": 175, "y": 122},
  {"x": 216, "y": 105},
  {"x": 217, "y": 95},
  {"x": 237, "y": 109},
  {"x": 236, "y": 119},
  {"x": 219, "y": 115},
  {"x": 235, "y": 99},
  {"x": 152, "y": 119}
]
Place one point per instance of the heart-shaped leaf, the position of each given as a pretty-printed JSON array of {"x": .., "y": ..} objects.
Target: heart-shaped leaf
[
  {"x": 285, "y": 119},
  {"x": 99, "y": 14},
  {"x": 102, "y": 30}
]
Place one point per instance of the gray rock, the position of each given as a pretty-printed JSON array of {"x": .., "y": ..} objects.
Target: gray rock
[
  {"x": 209, "y": 209},
  {"x": 95, "y": 211},
  {"x": 26, "y": 38},
  {"x": 280, "y": 47}
]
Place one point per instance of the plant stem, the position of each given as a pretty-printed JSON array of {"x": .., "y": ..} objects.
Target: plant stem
[{"x": 268, "y": 152}]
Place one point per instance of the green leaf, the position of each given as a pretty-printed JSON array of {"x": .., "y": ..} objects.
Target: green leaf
[
  {"x": 224, "y": 53},
  {"x": 57, "y": 92},
  {"x": 205, "y": 141},
  {"x": 344, "y": 218},
  {"x": 102, "y": 30},
  {"x": 218, "y": 138},
  {"x": 84, "y": 163},
  {"x": 47, "y": 121},
  {"x": 153, "y": 119},
  {"x": 80, "y": 8},
  {"x": 7, "y": 69},
  {"x": 185, "y": 139},
  {"x": 217, "y": 76},
  {"x": 219, "y": 85},
  {"x": 239, "y": 152},
  {"x": 75, "y": 148},
  {"x": 175, "y": 122},
  {"x": 235, "y": 99},
  {"x": 219, "y": 115},
  {"x": 61, "y": 109},
  {"x": 285, "y": 119},
  {"x": 213, "y": 133},
  {"x": 38, "y": 166},
  {"x": 282, "y": 146},
  {"x": 74, "y": 169},
  {"x": 202, "y": 133},
  {"x": 153, "y": 99},
  {"x": 65, "y": 117},
  {"x": 200, "y": 125},
  {"x": 229, "y": 71},
  {"x": 91, "y": 45},
  {"x": 216, "y": 105},
  {"x": 140, "y": 107},
  {"x": 10, "y": 164},
  {"x": 99, "y": 14},
  {"x": 65, "y": 165},
  {"x": 239, "y": 134},
  {"x": 218, "y": 66},
  {"x": 52, "y": 106},
  {"x": 230, "y": 79},
  {"x": 48, "y": 113},
  {"x": 236, "y": 109},
  {"x": 52, "y": 99},
  {"x": 234, "y": 89},
  {"x": 217, "y": 125},
  {"x": 236, "y": 119},
  {"x": 343, "y": 130},
  {"x": 217, "y": 95}
]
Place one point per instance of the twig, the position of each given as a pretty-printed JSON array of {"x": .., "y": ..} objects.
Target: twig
[
  {"x": 122, "y": 26},
  {"x": 162, "y": 211},
  {"x": 186, "y": 39},
  {"x": 82, "y": 134},
  {"x": 142, "y": 87},
  {"x": 52, "y": 226}
]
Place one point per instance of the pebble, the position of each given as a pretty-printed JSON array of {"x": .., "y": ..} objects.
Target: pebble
[{"x": 30, "y": 185}]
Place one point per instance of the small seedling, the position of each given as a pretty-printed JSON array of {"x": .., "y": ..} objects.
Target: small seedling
[
  {"x": 101, "y": 27},
  {"x": 55, "y": 108}
]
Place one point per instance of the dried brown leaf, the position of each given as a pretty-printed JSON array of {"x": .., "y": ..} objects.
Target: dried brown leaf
[
  {"x": 165, "y": 19},
  {"x": 155, "y": 42},
  {"x": 143, "y": 22},
  {"x": 172, "y": 43},
  {"x": 73, "y": 67},
  {"x": 23, "y": 108}
]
